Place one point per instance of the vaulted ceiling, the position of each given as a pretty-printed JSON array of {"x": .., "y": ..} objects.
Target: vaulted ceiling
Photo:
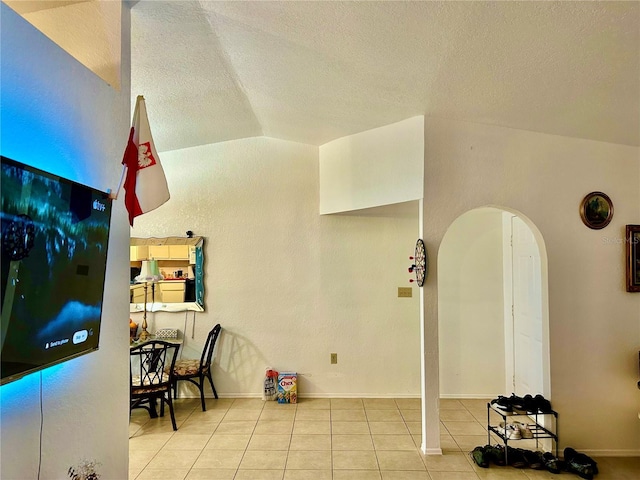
[
  {"x": 315, "y": 71},
  {"x": 311, "y": 72}
]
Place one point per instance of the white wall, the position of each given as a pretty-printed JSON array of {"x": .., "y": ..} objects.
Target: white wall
[
  {"x": 290, "y": 286},
  {"x": 58, "y": 116},
  {"x": 377, "y": 167},
  {"x": 84, "y": 29},
  {"x": 471, "y": 306},
  {"x": 593, "y": 321}
]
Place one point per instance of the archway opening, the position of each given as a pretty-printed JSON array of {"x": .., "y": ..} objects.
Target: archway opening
[{"x": 493, "y": 306}]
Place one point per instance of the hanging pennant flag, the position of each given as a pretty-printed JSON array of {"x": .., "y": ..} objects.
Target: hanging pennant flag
[{"x": 145, "y": 184}]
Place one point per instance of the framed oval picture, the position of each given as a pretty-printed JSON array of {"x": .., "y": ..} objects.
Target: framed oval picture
[{"x": 596, "y": 210}]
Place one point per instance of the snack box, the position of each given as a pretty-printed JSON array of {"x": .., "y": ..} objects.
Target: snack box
[{"x": 287, "y": 387}]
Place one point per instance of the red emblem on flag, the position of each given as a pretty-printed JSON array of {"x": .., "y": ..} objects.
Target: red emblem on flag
[
  {"x": 145, "y": 157},
  {"x": 146, "y": 188}
]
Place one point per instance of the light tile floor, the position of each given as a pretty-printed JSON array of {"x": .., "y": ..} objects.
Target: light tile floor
[{"x": 322, "y": 439}]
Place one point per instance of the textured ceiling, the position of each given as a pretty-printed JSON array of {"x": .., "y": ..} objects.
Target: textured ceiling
[
  {"x": 25, "y": 7},
  {"x": 311, "y": 72}
]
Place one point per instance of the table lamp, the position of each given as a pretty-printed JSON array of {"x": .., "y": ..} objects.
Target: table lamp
[{"x": 149, "y": 273}]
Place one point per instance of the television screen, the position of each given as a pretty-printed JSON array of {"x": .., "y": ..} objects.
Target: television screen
[{"x": 55, "y": 234}]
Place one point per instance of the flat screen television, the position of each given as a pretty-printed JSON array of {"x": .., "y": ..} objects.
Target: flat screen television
[{"x": 55, "y": 234}]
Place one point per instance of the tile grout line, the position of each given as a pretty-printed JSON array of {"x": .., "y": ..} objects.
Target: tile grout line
[
  {"x": 372, "y": 441},
  {"x": 331, "y": 437}
]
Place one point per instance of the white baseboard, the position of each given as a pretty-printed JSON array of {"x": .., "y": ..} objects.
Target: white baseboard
[
  {"x": 357, "y": 395},
  {"x": 311, "y": 395},
  {"x": 470, "y": 396},
  {"x": 608, "y": 453},
  {"x": 431, "y": 451}
]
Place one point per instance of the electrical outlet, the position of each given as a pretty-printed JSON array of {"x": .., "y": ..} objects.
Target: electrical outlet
[
  {"x": 405, "y": 292},
  {"x": 334, "y": 358}
]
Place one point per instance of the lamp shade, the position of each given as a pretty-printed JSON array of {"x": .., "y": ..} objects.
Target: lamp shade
[{"x": 149, "y": 272}]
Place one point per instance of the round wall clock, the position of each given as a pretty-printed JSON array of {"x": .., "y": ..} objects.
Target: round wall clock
[
  {"x": 421, "y": 262},
  {"x": 596, "y": 210}
]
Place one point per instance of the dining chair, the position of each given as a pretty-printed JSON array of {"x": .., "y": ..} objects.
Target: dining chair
[
  {"x": 195, "y": 371},
  {"x": 151, "y": 364}
]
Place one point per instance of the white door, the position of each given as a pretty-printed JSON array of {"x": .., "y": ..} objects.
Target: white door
[{"x": 527, "y": 311}]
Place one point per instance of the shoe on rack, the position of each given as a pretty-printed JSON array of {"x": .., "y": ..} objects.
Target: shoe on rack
[
  {"x": 502, "y": 403},
  {"x": 515, "y": 458},
  {"x": 580, "y": 463},
  {"x": 480, "y": 457},
  {"x": 516, "y": 402},
  {"x": 495, "y": 454},
  {"x": 551, "y": 463},
  {"x": 509, "y": 431},
  {"x": 524, "y": 430},
  {"x": 543, "y": 405},
  {"x": 529, "y": 404},
  {"x": 533, "y": 459}
]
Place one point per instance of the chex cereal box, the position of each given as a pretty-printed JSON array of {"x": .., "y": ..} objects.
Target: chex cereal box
[{"x": 287, "y": 387}]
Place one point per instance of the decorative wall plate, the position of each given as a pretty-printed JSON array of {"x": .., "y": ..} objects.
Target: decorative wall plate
[{"x": 596, "y": 210}]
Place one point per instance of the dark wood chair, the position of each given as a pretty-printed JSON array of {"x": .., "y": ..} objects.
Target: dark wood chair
[
  {"x": 195, "y": 371},
  {"x": 151, "y": 364}
]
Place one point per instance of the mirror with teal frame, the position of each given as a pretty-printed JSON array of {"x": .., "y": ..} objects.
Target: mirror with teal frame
[{"x": 180, "y": 260}]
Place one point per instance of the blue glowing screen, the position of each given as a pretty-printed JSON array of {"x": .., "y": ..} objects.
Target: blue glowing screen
[{"x": 55, "y": 234}]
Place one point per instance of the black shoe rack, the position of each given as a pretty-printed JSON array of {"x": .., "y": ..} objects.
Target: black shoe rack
[{"x": 538, "y": 423}]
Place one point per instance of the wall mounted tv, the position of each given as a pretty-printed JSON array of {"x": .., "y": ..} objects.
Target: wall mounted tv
[{"x": 55, "y": 234}]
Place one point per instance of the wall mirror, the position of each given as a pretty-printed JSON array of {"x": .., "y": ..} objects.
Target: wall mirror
[{"x": 180, "y": 261}]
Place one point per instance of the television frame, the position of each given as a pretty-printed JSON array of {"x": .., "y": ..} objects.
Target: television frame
[{"x": 53, "y": 217}]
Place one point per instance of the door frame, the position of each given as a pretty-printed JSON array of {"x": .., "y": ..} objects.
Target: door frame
[
  {"x": 509, "y": 333},
  {"x": 507, "y": 285}
]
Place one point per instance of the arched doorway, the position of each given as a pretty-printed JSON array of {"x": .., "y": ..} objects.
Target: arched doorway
[{"x": 493, "y": 306}]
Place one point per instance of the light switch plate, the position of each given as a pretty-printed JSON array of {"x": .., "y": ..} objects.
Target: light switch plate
[{"x": 405, "y": 292}]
